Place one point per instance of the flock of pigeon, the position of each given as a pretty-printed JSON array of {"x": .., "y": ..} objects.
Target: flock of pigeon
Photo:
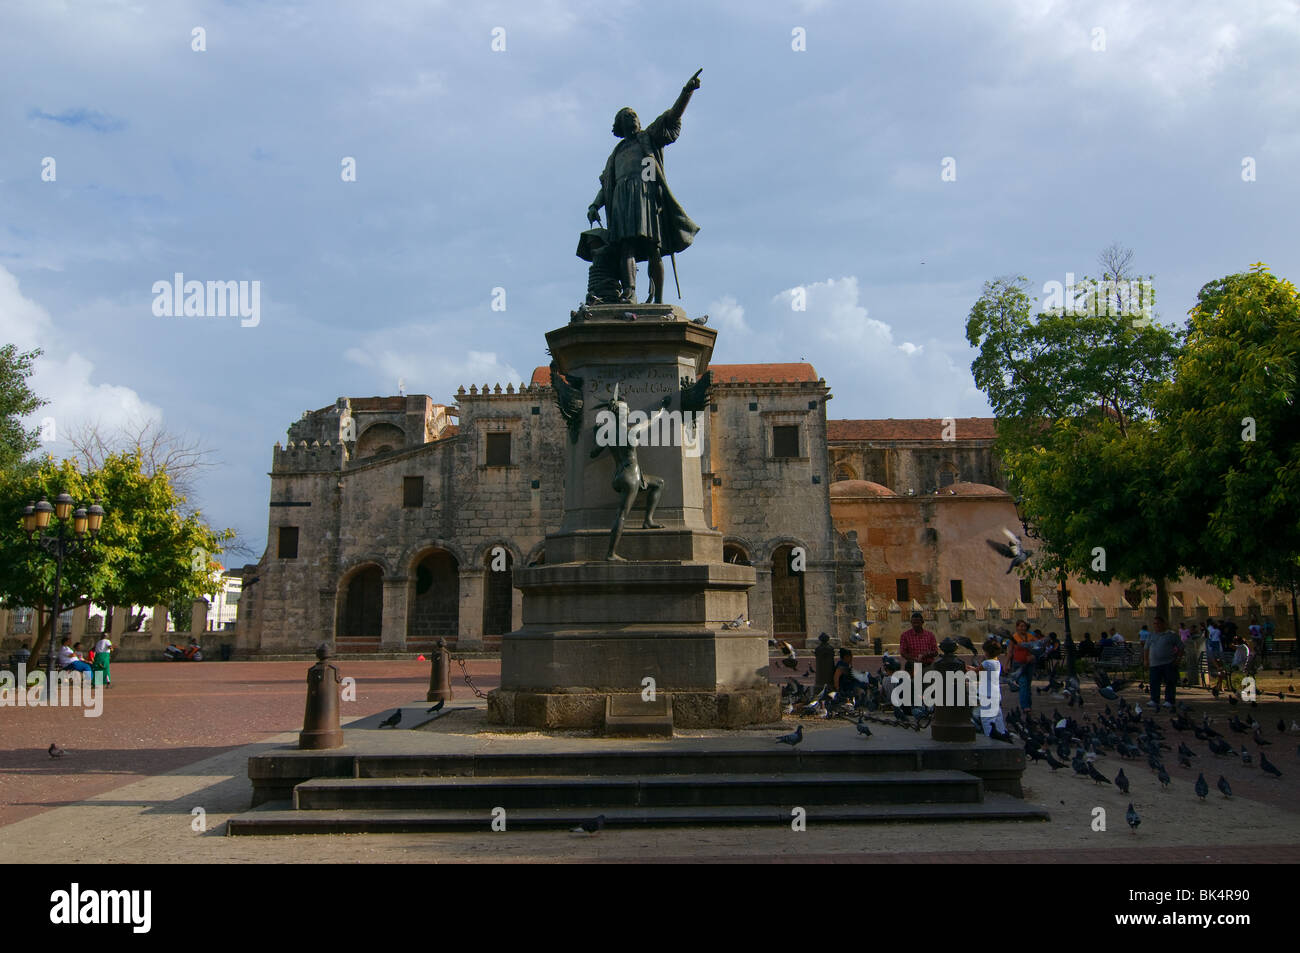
[{"x": 1063, "y": 741}]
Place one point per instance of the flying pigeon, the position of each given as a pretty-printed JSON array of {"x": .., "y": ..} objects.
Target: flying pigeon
[
  {"x": 1268, "y": 767},
  {"x": 1132, "y": 817},
  {"x": 54, "y": 750},
  {"x": 1013, "y": 551},
  {"x": 392, "y": 720},
  {"x": 1224, "y": 786},
  {"x": 593, "y": 826},
  {"x": 793, "y": 738},
  {"x": 1202, "y": 788},
  {"x": 437, "y": 707},
  {"x": 791, "y": 659}
]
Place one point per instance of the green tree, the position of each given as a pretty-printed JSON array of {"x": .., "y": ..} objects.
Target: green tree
[
  {"x": 147, "y": 552},
  {"x": 1071, "y": 388},
  {"x": 1231, "y": 427},
  {"x": 1232, "y": 424},
  {"x": 16, "y": 402}
]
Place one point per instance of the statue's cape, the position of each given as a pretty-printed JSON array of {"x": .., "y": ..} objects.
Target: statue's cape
[{"x": 676, "y": 229}]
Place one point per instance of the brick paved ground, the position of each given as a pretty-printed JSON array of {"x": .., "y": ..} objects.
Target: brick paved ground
[
  {"x": 159, "y": 716},
  {"x": 170, "y": 739}
]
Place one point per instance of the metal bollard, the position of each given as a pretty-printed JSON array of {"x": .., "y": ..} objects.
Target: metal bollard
[
  {"x": 320, "y": 723},
  {"x": 440, "y": 674},
  {"x": 824, "y": 654},
  {"x": 952, "y": 722}
]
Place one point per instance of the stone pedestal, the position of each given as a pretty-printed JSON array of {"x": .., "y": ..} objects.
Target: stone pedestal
[{"x": 594, "y": 628}]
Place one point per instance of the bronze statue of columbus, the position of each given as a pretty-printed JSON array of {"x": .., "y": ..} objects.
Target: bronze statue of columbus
[{"x": 645, "y": 221}]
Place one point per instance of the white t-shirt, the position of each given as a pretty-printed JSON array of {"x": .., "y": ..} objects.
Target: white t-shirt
[
  {"x": 66, "y": 656},
  {"x": 103, "y": 645},
  {"x": 990, "y": 683}
]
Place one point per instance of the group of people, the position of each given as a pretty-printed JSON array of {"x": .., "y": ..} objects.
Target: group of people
[
  {"x": 1162, "y": 650},
  {"x": 72, "y": 659}
]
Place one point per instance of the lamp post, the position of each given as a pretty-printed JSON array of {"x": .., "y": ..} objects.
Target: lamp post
[
  {"x": 1031, "y": 532},
  {"x": 72, "y": 536}
]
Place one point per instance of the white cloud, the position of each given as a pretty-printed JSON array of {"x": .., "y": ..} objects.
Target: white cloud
[
  {"x": 419, "y": 358},
  {"x": 908, "y": 348},
  {"x": 727, "y": 314},
  {"x": 62, "y": 376}
]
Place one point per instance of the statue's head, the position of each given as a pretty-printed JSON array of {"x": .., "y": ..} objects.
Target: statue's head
[{"x": 626, "y": 122}]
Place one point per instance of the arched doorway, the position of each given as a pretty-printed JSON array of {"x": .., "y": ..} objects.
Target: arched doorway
[
  {"x": 788, "y": 618},
  {"x": 498, "y": 594},
  {"x": 361, "y": 617},
  {"x": 435, "y": 601}
]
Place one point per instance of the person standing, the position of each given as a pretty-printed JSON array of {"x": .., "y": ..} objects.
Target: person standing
[
  {"x": 918, "y": 644},
  {"x": 1160, "y": 655},
  {"x": 103, "y": 655},
  {"x": 1213, "y": 641},
  {"x": 990, "y": 691},
  {"x": 1195, "y": 648},
  {"x": 1022, "y": 655}
]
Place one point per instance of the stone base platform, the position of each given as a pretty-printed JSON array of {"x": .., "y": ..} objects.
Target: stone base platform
[
  {"x": 452, "y": 770},
  {"x": 554, "y": 710}
]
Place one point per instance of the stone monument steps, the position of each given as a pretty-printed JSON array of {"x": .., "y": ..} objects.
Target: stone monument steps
[
  {"x": 630, "y": 791},
  {"x": 995, "y": 807}
]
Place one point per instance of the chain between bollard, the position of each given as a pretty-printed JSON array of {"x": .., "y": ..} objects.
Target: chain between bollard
[{"x": 468, "y": 681}]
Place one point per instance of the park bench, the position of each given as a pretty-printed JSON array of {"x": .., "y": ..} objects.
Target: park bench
[{"x": 1118, "y": 658}]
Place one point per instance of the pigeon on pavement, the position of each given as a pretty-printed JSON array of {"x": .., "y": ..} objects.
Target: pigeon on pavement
[
  {"x": 1121, "y": 781},
  {"x": 392, "y": 720},
  {"x": 437, "y": 707},
  {"x": 1202, "y": 788},
  {"x": 1132, "y": 817},
  {"x": 54, "y": 750},
  {"x": 593, "y": 826},
  {"x": 793, "y": 738},
  {"x": 1224, "y": 786},
  {"x": 1268, "y": 767}
]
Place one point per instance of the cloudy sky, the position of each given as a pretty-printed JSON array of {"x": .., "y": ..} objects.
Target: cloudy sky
[{"x": 1069, "y": 125}]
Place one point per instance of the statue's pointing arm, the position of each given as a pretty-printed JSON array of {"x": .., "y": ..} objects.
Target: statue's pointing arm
[{"x": 679, "y": 107}]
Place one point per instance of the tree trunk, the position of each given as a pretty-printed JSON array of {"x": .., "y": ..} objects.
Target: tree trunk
[{"x": 1162, "y": 599}]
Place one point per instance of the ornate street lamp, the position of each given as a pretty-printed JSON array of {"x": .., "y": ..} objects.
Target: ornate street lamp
[{"x": 75, "y": 532}]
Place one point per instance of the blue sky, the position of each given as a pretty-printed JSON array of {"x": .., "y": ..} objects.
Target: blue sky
[{"x": 817, "y": 168}]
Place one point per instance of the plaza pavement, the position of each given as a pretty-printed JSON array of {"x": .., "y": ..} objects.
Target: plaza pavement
[{"x": 177, "y": 737}]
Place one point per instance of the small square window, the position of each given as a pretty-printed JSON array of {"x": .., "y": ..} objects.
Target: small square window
[
  {"x": 901, "y": 594},
  {"x": 413, "y": 491},
  {"x": 954, "y": 587},
  {"x": 1026, "y": 591},
  {"x": 753, "y": 405},
  {"x": 785, "y": 441},
  {"x": 288, "y": 544},
  {"x": 498, "y": 449}
]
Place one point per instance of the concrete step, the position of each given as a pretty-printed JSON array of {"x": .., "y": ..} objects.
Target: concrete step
[
  {"x": 627, "y": 791},
  {"x": 995, "y": 807}
]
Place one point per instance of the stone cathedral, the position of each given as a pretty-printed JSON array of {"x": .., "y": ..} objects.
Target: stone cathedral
[{"x": 395, "y": 521}]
